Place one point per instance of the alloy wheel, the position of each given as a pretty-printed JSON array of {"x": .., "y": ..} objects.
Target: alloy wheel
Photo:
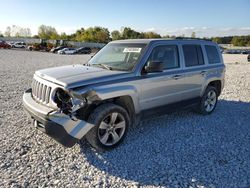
[
  {"x": 111, "y": 129},
  {"x": 210, "y": 101}
]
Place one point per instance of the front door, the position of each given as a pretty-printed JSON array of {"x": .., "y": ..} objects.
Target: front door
[{"x": 161, "y": 88}]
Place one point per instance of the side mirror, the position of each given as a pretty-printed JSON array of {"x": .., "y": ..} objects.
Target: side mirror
[{"x": 154, "y": 66}]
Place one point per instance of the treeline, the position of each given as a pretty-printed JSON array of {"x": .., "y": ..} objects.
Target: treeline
[
  {"x": 234, "y": 40},
  {"x": 94, "y": 34},
  {"x": 103, "y": 35},
  {"x": 16, "y": 31}
]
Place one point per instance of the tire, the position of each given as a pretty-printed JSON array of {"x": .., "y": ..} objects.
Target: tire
[
  {"x": 106, "y": 134},
  {"x": 208, "y": 101}
]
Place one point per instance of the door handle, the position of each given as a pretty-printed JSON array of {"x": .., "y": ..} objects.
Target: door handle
[
  {"x": 176, "y": 77},
  {"x": 203, "y": 72}
]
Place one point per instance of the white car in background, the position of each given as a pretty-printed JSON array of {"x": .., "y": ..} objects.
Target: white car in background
[
  {"x": 19, "y": 45},
  {"x": 67, "y": 51}
]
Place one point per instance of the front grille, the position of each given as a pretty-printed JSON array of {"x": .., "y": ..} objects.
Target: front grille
[{"x": 41, "y": 92}]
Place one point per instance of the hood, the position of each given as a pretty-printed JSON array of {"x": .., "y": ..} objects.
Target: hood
[{"x": 79, "y": 75}]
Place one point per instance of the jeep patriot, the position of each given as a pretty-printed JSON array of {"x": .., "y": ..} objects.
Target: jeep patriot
[{"x": 124, "y": 81}]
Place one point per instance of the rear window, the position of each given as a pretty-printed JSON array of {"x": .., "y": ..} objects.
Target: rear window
[
  {"x": 212, "y": 54},
  {"x": 193, "y": 55}
]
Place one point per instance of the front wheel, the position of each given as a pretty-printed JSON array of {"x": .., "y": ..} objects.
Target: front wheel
[
  {"x": 112, "y": 122},
  {"x": 208, "y": 101}
]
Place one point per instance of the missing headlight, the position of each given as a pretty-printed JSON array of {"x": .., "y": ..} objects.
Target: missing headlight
[
  {"x": 63, "y": 100},
  {"x": 67, "y": 104},
  {"x": 62, "y": 95}
]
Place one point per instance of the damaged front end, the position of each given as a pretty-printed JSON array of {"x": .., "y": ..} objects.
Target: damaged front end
[
  {"x": 72, "y": 103},
  {"x": 64, "y": 124}
]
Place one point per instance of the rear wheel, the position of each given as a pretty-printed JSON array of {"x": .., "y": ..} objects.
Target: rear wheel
[
  {"x": 208, "y": 101},
  {"x": 111, "y": 122}
]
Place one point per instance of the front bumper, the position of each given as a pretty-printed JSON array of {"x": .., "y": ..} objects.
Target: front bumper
[{"x": 55, "y": 124}]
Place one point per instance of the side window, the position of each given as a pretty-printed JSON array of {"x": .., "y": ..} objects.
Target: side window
[
  {"x": 212, "y": 54},
  {"x": 168, "y": 54},
  {"x": 193, "y": 55}
]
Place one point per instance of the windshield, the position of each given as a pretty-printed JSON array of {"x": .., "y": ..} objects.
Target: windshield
[{"x": 118, "y": 56}]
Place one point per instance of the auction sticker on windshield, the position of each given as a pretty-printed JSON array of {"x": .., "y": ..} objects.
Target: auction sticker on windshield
[{"x": 135, "y": 50}]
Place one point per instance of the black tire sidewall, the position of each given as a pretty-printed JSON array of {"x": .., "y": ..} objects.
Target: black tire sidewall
[{"x": 97, "y": 117}]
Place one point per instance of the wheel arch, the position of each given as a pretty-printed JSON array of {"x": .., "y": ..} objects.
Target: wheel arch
[
  {"x": 218, "y": 84},
  {"x": 124, "y": 96},
  {"x": 124, "y": 101}
]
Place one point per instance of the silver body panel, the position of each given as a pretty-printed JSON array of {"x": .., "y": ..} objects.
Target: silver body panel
[{"x": 146, "y": 90}]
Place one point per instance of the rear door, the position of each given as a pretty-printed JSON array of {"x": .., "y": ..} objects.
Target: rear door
[{"x": 194, "y": 70}]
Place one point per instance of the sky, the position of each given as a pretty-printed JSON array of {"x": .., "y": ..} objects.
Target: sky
[{"x": 166, "y": 17}]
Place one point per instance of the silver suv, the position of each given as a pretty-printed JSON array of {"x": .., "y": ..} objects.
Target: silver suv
[{"x": 124, "y": 82}]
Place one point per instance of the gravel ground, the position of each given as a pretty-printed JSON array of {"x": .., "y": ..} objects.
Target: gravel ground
[{"x": 181, "y": 149}]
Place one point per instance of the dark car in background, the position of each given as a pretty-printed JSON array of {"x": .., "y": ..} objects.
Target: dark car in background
[
  {"x": 245, "y": 52},
  {"x": 248, "y": 58},
  {"x": 83, "y": 50},
  {"x": 4, "y": 45}
]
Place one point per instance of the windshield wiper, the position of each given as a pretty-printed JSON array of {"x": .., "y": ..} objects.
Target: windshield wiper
[{"x": 104, "y": 66}]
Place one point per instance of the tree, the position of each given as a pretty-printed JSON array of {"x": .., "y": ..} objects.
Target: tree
[
  {"x": 116, "y": 35},
  {"x": 23, "y": 32},
  {"x": 47, "y": 32},
  {"x": 79, "y": 34},
  {"x": 217, "y": 40},
  {"x": 150, "y": 35},
  {"x": 35, "y": 36},
  {"x": 166, "y": 36},
  {"x": 16, "y": 31},
  {"x": 129, "y": 33},
  {"x": 248, "y": 43},
  {"x": 64, "y": 36},
  {"x": 72, "y": 37},
  {"x": 93, "y": 34},
  {"x": 100, "y": 34},
  {"x": 193, "y": 35},
  {"x": 7, "y": 31},
  {"x": 239, "y": 41}
]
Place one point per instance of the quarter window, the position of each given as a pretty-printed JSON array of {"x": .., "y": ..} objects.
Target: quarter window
[
  {"x": 166, "y": 54},
  {"x": 212, "y": 54},
  {"x": 193, "y": 55}
]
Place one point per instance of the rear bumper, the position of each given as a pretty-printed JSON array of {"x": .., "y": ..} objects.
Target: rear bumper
[{"x": 57, "y": 125}]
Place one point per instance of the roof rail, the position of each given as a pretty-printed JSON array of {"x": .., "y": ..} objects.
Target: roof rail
[{"x": 191, "y": 38}]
